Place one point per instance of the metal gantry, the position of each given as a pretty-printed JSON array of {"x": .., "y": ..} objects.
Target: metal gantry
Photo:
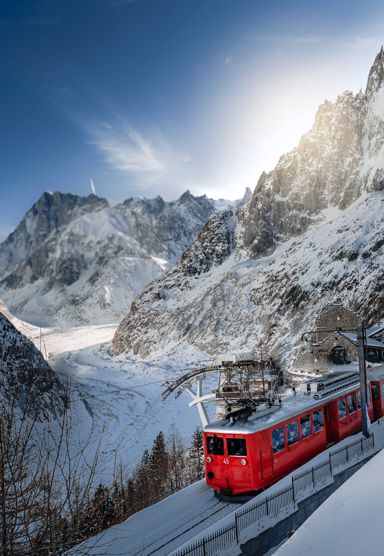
[{"x": 240, "y": 383}]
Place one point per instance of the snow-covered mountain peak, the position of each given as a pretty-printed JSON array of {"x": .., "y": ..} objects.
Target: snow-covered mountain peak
[
  {"x": 376, "y": 74},
  {"x": 311, "y": 234},
  {"x": 51, "y": 212},
  {"x": 78, "y": 260}
]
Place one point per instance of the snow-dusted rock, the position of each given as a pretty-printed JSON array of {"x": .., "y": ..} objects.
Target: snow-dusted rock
[
  {"x": 78, "y": 260},
  {"x": 26, "y": 379},
  {"x": 311, "y": 235}
]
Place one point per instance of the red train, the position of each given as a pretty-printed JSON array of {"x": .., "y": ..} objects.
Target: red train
[{"x": 249, "y": 452}]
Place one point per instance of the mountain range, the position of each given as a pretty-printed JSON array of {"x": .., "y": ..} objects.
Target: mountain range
[
  {"x": 76, "y": 260},
  {"x": 312, "y": 234}
]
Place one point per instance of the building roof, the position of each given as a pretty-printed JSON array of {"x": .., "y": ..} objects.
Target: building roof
[
  {"x": 375, "y": 329},
  {"x": 352, "y": 337}
]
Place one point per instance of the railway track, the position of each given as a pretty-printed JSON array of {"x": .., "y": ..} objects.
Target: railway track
[{"x": 174, "y": 534}]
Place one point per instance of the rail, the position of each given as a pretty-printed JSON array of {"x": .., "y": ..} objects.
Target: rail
[{"x": 258, "y": 515}]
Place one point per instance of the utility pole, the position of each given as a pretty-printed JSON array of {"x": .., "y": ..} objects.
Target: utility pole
[{"x": 363, "y": 378}]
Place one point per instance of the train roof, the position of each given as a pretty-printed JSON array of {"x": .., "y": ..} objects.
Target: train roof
[{"x": 292, "y": 405}]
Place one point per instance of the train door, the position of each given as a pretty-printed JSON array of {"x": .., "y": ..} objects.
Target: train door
[
  {"x": 239, "y": 464},
  {"x": 328, "y": 425},
  {"x": 376, "y": 400}
]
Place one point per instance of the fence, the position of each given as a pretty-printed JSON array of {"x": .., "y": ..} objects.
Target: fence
[{"x": 261, "y": 511}]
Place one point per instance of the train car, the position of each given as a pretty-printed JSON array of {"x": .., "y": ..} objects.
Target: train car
[
  {"x": 377, "y": 390},
  {"x": 249, "y": 450}
]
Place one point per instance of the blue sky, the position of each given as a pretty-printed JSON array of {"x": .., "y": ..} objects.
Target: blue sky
[{"x": 152, "y": 97}]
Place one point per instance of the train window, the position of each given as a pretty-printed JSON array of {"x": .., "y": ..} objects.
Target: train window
[
  {"x": 341, "y": 406},
  {"x": 305, "y": 425},
  {"x": 278, "y": 440},
  {"x": 382, "y": 391},
  {"x": 215, "y": 445},
  {"x": 368, "y": 396},
  {"x": 351, "y": 402},
  {"x": 236, "y": 447},
  {"x": 375, "y": 392},
  {"x": 359, "y": 400},
  {"x": 318, "y": 420},
  {"x": 293, "y": 432}
]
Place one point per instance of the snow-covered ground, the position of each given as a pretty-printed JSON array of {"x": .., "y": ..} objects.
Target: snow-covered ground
[
  {"x": 349, "y": 522},
  {"x": 194, "y": 508},
  {"x": 115, "y": 400}
]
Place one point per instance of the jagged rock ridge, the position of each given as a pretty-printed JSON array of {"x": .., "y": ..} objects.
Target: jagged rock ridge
[
  {"x": 26, "y": 379},
  {"x": 76, "y": 260},
  {"x": 326, "y": 195}
]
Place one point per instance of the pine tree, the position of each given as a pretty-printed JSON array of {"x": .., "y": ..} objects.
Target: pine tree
[
  {"x": 159, "y": 468},
  {"x": 196, "y": 457},
  {"x": 142, "y": 482},
  {"x": 176, "y": 461}
]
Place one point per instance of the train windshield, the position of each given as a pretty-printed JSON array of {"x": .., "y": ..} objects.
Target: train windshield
[
  {"x": 236, "y": 447},
  {"x": 215, "y": 445}
]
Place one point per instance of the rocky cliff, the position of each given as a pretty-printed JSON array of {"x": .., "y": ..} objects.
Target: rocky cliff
[
  {"x": 310, "y": 235},
  {"x": 26, "y": 380}
]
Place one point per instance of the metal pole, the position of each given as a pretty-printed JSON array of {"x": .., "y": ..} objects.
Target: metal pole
[{"x": 363, "y": 378}]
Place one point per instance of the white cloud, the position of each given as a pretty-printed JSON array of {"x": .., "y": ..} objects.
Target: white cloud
[{"x": 149, "y": 159}]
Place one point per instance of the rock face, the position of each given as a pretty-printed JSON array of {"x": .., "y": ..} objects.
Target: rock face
[
  {"x": 338, "y": 159},
  {"x": 311, "y": 235},
  {"x": 26, "y": 379},
  {"x": 76, "y": 260}
]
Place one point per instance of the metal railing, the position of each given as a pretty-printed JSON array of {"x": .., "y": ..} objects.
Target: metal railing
[{"x": 303, "y": 485}]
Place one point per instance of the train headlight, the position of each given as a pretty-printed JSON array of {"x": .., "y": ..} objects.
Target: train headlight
[
  {"x": 243, "y": 462},
  {"x": 208, "y": 459}
]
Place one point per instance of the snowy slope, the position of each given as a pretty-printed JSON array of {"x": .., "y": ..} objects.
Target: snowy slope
[
  {"x": 114, "y": 402},
  {"x": 149, "y": 529},
  {"x": 349, "y": 522},
  {"x": 238, "y": 303},
  {"x": 311, "y": 235},
  {"x": 77, "y": 260}
]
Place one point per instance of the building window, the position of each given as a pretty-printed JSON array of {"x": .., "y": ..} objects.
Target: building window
[
  {"x": 278, "y": 441},
  {"x": 373, "y": 355},
  {"x": 339, "y": 356},
  {"x": 351, "y": 402},
  {"x": 341, "y": 406},
  {"x": 318, "y": 420},
  {"x": 215, "y": 445},
  {"x": 305, "y": 425},
  {"x": 293, "y": 432},
  {"x": 236, "y": 447}
]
